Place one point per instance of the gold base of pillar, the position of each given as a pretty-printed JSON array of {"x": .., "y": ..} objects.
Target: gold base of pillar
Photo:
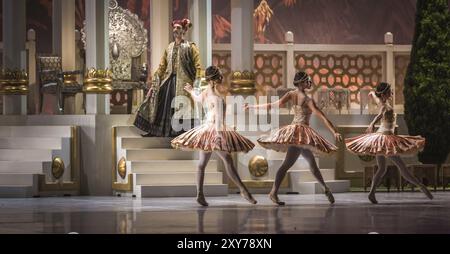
[
  {"x": 98, "y": 82},
  {"x": 97, "y": 89},
  {"x": 243, "y": 83},
  {"x": 13, "y": 82},
  {"x": 14, "y": 90}
]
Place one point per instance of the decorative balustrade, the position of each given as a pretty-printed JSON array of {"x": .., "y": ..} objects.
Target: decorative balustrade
[
  {"x": 351, "y": 71},
  {"x": 355, "y": 69}
]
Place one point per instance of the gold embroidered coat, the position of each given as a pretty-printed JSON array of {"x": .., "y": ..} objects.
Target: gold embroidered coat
[{"x": 184, "y": 61}]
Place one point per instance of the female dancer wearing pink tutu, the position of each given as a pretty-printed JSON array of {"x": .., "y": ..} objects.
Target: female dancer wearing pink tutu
[
  {"x": 385, "y": 144},
  {"x": 298, "y": 138},
  {"x": 214, "y": 136}
]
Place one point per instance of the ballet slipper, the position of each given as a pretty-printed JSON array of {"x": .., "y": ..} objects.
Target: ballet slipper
[
  {"x": 372, "y": 198},
  {"x": 426, "y": 192},
  {"x": 248, "y": 197},
  {"x": 201, "y": 200},
  {"x": 329, "y": 196},
  {"x": 274, "y": 198}
]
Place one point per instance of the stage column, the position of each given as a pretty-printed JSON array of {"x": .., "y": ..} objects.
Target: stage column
[
  {"x": 242, "y": 47},
  {"x": 161, "y": 30},
  {"x": 97, "y": 51},
  {"x": 390, "y": 63},
  {"x": 14, "y": 53},
  {"x": 64, "y": 43},
  {"x": 201, "y": 34},
  {"x": 290, "y": 58},
  {"x": 243, "y": 83}
]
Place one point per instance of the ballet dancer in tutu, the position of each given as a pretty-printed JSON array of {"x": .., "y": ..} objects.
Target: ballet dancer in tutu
[
  {"x": 214, "y": 136},
  {"x": 385, "y": 144},
  {"x": 298, "y": 138}
]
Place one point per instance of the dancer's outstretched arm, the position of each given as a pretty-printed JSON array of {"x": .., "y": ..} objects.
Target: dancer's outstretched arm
[
  {"x": 197, "y": 98},
  {"x": 285, "y": 99},
  {"x": 317, "y": 111}
]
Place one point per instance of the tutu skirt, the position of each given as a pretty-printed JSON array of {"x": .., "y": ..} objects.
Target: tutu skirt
[
  {"x": 297, "y": 135},
  {"x": 208, "y": 138},
  {"x": 384, "y": 144}
]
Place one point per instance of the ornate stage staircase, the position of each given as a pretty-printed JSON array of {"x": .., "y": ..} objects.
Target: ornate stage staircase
[
  {"x": 26, "y": 156},
  {"x": 150, "y": 167}
]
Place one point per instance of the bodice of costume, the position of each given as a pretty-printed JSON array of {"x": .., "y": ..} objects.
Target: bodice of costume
[
  {"x": 388, "y": 121},
  {"x": 302, "y": 113},
  {"x": 215, "y": 115}
]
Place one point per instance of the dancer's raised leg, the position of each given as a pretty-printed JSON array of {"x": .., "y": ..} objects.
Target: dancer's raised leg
[{"x": 409, "y": 176}]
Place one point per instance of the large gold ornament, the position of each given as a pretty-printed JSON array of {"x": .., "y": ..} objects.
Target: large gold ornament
[
  {"x": 202, "y": 83},
  {"x": 262, "y": 16},
  {"x": 13, "y": 82},
  {"x": 122, "y": 168},
  {"x": 127, "y": 40},
  {"x": 243, "y": 83},
  {"x": 258, "y": 166},
  {"x": 98, "y": 81},
  {"x": 57, "y": 168}
]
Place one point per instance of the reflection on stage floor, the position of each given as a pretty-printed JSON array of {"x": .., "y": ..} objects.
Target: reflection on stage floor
[{"x": 352, "y": 213}]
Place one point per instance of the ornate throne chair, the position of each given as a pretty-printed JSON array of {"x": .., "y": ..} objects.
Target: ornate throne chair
[{"x": 52, "y": 80}]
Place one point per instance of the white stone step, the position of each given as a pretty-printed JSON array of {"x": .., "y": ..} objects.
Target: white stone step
[
  {"x": 25, "y": 155},
  {"x": 36, "y": 131},
  {"x": 175, "y": 178},
  {"x": 307, "y": 176},
  {"x": 142, "y": 167},
  {"x": 30, "y": 143},
  {"x": 21, "y": 167},
  {"x": 160, "y": 154},
  {"x": 146, "y": 143},
  {"x": 300, "y": 164},
  {"x": 16, "y": 191},
  {"x": 16, "y": 179},
  {"x": 128, "y": 132},
  {"x": 273, "y": 155},
  {"x": 182, "y": 190},
  {"x": 336, "y": 186}
]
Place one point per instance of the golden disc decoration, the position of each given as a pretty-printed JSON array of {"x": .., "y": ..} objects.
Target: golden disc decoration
[{"x": 258, "y": 166}]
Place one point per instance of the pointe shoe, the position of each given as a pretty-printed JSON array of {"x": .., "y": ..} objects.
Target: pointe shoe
[
  {"x": 201, "y": 200},
  {"x": 373, "y": 199},
  {"x": 427, "y": 192},
  {"x": 248, "y": 197},
  {"x": 275, "y": 199},
  {"x": 329, "y": 196}
]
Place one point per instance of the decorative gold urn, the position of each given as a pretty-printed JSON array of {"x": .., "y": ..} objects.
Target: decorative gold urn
[
  {"x": 242, "y": 83},
  {"x": 57, "y": 168},
  {"x": 98, "y": 81},
  {"x": 13, "y": 82},
  {"x": 258, "y": 166},
  {"x": 203, "y": 82},
  {"x": 122, "y": 168}
]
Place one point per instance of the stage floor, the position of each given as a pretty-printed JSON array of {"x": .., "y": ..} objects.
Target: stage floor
[{"x": 397, "y": 213}]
